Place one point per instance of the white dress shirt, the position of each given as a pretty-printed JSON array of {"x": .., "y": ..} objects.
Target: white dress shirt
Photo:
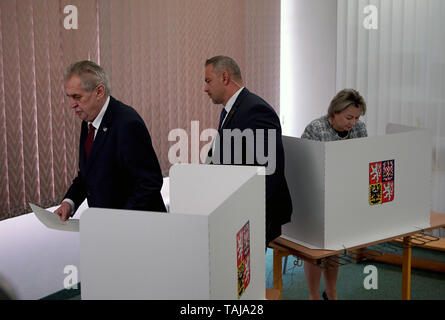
[
  {"x": 228, "y": 107},
  {"x": 230, "y": 103}
]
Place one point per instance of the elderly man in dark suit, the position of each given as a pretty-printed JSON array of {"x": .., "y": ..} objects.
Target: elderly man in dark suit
[
  {"x": 118, "y": 167},
  {"x": 249, "y": 129}
]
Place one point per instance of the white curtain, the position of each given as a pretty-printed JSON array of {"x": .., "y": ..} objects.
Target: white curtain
[{"x": 399, "y": 67}]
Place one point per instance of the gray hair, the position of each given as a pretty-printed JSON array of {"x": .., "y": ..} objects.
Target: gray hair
[
  {"x": 223, "y": 63},
  {"x": 344, "y": 99},
  {"x": 90, "y": 74}
]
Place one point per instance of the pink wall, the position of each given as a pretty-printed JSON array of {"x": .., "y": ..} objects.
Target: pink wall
[{"x": 154, "y": 52}]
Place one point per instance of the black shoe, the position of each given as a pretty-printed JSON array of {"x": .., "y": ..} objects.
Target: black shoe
[{"x": 325, "y": 296}]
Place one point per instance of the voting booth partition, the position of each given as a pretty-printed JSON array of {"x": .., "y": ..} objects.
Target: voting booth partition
[
  {"x": 210, "y": 246},
  {"x": 346, "y": 193}
]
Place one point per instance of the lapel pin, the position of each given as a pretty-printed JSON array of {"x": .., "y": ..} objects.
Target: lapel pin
[{"x": 105, "y": 129}]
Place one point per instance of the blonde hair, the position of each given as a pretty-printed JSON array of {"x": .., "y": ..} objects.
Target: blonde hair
[{"x": 344, "y": 99}]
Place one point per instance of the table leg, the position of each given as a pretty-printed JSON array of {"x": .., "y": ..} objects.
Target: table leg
[
  {"x": 406, "y": 268},
  {"x": 277, "y": 277}
]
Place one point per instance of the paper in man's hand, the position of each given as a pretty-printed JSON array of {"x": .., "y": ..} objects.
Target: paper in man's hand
[{"x": 52, "y": 220}]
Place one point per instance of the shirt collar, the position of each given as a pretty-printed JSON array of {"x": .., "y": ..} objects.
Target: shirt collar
[
  {"x": 96, "y": 123},
  {"x": 232, "y": 100}
]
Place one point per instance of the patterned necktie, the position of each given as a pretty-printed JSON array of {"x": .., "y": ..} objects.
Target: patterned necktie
[
  {"x": 221, "y": 118},
  {"x": 89, "y": 141}
]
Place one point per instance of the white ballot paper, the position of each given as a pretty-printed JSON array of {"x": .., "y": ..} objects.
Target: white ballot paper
[{"x": 53, "y": 221}]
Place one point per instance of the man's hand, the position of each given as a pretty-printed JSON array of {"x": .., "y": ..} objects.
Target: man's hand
[{"x": 64, "y": 211}]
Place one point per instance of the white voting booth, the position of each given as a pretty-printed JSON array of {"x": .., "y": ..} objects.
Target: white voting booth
[
  {"x": 210, "y": 246},
  {"x": 356, "y": 191}
]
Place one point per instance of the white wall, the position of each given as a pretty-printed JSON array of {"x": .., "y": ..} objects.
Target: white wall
[{"x": 308, "y": 61}]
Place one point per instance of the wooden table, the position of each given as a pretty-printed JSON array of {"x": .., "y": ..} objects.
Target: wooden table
[{"x": 283, "y": 248}]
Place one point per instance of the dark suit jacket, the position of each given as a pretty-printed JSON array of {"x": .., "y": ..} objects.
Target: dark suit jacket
[
  {"x": 122, "y": 171},
  {"x": 251, "y": 112}
]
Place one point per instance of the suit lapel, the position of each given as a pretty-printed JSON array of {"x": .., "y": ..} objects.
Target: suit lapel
[
  {"x": 227, "y": 123},
  {"x": 102, "y": 133}
]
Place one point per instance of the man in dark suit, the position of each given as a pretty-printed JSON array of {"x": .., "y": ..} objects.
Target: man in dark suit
[
  {"x": 118, "y": 167},
  {"x": 249, "y": 130}
]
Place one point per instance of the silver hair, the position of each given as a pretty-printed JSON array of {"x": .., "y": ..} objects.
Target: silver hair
[
  {"x": 90, "y": 74},
  {"x": 223, "y": 63}
]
